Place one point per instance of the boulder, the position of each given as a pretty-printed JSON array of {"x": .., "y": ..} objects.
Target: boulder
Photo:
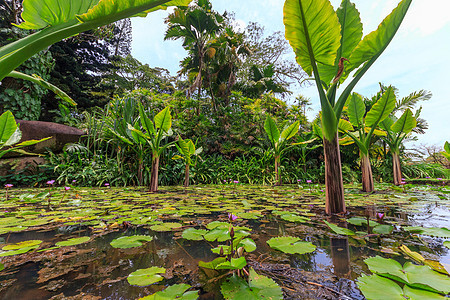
[
  {"x": 61, "y": 135},
  {"x": 17, "y": 164}
]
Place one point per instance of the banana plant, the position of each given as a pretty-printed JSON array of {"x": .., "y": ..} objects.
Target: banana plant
[
  {"x": 362, "y": 128},
  {"x": 10, "y": 135},
  {"x": 154, "y": 132},
  {"x": 396, "y": 132},
  {"x": 187, "y": 150},
  {"x": 323, "y": 41},
  {"x": 446, "y": 151},
  {"x": 279, "y": 142},
  {"x": 55, "y": 20}
]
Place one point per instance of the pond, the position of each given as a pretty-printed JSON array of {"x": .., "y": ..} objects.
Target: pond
[{"x": 33, "y": 223}]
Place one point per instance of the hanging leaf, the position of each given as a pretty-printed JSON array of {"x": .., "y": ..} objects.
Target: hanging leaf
[{"x": 144, "y": 277}]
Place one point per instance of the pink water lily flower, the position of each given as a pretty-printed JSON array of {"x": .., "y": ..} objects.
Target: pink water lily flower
[
  {"x": 380, "y": 216},
  {"x": 232, "y": 217},
  {"x": 9, "y": 185},
  {"x": 66, "y": 188},
  {"x": 51, "y": 182},
  {"x": 308, "y": 181}
]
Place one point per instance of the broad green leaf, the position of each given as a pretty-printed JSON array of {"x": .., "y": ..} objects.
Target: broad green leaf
[
  {"x": 212, "y": 264},
  {"x": 375, "y": 131},
  {"x": 313, "y": 31},
  {"x": 447, "y": 147},
  {"x": 351, "y": 34},
  {"x": 271, "y": 129},
  {"x": 361, "y": 221},
  {"x": 386, "y": 267},
  {"x": 375, "y": 287},
  {"x": 447, "y": 244},
  {"x": 176, "y": 291},
  {"x": 144, "y": 277},
  {"x": 73, "y": 241},
  {"x": 406, "y": 123},
  {"x": 147, "y": 124},
  {"x": 233, "y": 264},
  {"x": 381, "y": 109},
  {"x": 383, "y": 229},
  {"x": 373, "y": 44},
  {"x": 356, "y": 109},
  {"x": 18, "y": 251},
  {"x": 248, "y": 244},
  {"x": 38, "y": 14},
  {"x": 292, "y": 245},
  {"x": 339, "y": 230},
  {"x": 165, "y": 227},
  {"x": 259, "y": 287},
  {"x": 433, "y": 231},
  {"x": 291, "y": 217},
  {"x": 290, "y": 131},
  {"x": 344, "y": 125},
  {"x": 419, "y": 294},
  {"x": 424, "y": 278},
  {"x": 20, "y": 245},
  {"x": 191, "y": 147},
  {"x": 125, "y": 242},
  {"x": 163, "y": 120},
  {"x": 193, "y": 234},
  {"x": 14, "y": 138},
  {"x": 8, "y": 126}
]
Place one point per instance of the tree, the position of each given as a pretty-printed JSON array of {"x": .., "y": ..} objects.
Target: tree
[
  {"x": 365, "y": 125},
  {"x": 323, "y": 39}
]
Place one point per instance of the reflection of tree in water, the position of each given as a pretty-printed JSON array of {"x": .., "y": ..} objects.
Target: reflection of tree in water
[{"x": 340, "y": 255}]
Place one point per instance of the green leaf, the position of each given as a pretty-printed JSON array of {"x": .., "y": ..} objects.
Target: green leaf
[
  {"x": 144, "y": 277},
  {"x": 292, "y": 245},
  {"x": 259, "y": 287},
  {"x": 339, "y": 230},
  {"x": 73, "y": 241},
  {"x": 344, "y": 125},
  {"x": 8, "y": 126},
  {"x": 193, "y": 234},
  {"x": 147, "y": 124},
  {"x": 14, "y": 138},
  {"x": 163, "y": 120},
  {"x": 447, "y": 244},
  {"x": 165, "y": 226},
  {"x": 373, "y": 44},
  {"x": 212, "y": 264},
  {"x": 386, "y": 267},
  {"x": 233, "y": 264},
  {"x": 447, "y": 147},
  {"x": 356, "y": 109},
  {"x": 290, "y": 131},
  {"x": 406, "y": 123},
  {"x": 381, "y": 109},
  {"x": 24, "y": 244},
  {"x": 418, "y": 294},
  {"x": 271, "y": 129},
  {"x": 125, "y": 242},
  {"x": 424, "y": 278},
  {"x": 313, "y": 31},
  {"x": 375, "y": 287},
  {"x": 361, "y": 221},
  {"x": 248, "y": 244},
  {"x": 176, "y": 291},
  {"x": 19, "y": 251},
  {"x": 433, "y": 231},
  {"x": 291, "y": 217},
  {"x": 383, "y": 229}
]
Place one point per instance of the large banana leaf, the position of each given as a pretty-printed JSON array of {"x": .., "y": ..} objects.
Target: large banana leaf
[
  {"x": 344, "y": 126},
  {"x": 351, "y": 34},
  {"x": 146, "y": 123},
  {"x": 290, "y": 131},
  {"x": 373, "y": 44},
  {"x": 406, "y": 123},
  {"x": 64, "y": 18},
  {"x": 313, "y": 31},
  {"x": 381, "y": 109},
  {"x": 356, "y": 109},
  {"x": 8, "y": 126},
  {"x": 271, "y": 129},
  {"x": 163, "y": 120}
]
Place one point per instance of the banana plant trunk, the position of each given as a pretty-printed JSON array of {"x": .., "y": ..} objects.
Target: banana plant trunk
[
  {"x": 396, "y": 168},
  {"x": 154, "y": 174},
  {"x": 186, "y": 176},
  {"x": 366, "y": 170},
  {"x": 140, "y": 171},
  {"x": 278, "y": 181},
  {"x": 334, "y": 185}
]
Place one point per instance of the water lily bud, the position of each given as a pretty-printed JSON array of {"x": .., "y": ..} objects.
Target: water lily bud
[
  {"x": 240, "y": 251},
  {"x": 232, "y": 232},
  {"x": 221, "y": 251}
]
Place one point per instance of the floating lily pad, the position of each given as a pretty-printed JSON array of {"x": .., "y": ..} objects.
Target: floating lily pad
[
  {"x": 383, "y": 229},
  {"x": 258, "y": 287},
  {"x": 24, "y": 244},
  {"x": 177, "y": 291},
  {"x": 165, "y": 227},
  {"x": 361, "y": 222},
  {"x": 19, "y": 251},
  {"x": 375, "y": 287},
  {"x": 193, "y": 234},
  {"x": 433, "y": 231},
  {"x": 144, "y": 277},
  {"x": 212, "y": 264},
  {"x": 2, "y": 267},
  {"x": 292, "y": 245},
  {"x": 73, "y": 241},
  {"x": 291, "y": 217},
  {"x": 339, "y": 230},
  {"x": 447, "y": 244},
  {"x": 125, "y": 242},
  {"x": 418, "y": 294}
]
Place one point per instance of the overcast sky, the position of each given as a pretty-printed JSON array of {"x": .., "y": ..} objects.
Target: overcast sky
[{"x": 418, "y": 57}]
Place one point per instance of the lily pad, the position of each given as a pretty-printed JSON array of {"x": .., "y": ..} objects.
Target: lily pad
[
  {"x": 233, "y": 264},
  {"x": 339, "y": 230},
  {"x": 383, "y": 229},
  {"x": 177, "y": 291},
  {"x": 24, "y": 244},
  {"x": 447, "y": 244},
  {"x": 73, "y": 241},
  {"x": 361, "y": 222},
  {"x": 194, "y": 234},
  {"x": 433, "y": 231},
  {"x": 144, "y": 277},
  {"x": 125, "y": 242},
  {"x": 294, "y": 218},
  {"x": 258, "y": 287},
  {"x": 19, "y": 251},
  {"x": 418, "y": 294},
  {"x": 165, "y": 227},
  {"x": 292, "y": 245},
  {"x": 375, "y": 287}
]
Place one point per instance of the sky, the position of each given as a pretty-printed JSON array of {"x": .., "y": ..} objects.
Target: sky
[{"x": 417, "y": 58}]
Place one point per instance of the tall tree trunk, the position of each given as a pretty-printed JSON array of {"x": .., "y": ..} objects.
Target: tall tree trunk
[
  {"x": 278, "y": 181},
  {"x": 186, "y": 176},
  {"x": 366, "y": 169},
  {"x": 334, "y": 184},
  {"x": 396, "y": 168},
  {"x": 154, "y": 175}
]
